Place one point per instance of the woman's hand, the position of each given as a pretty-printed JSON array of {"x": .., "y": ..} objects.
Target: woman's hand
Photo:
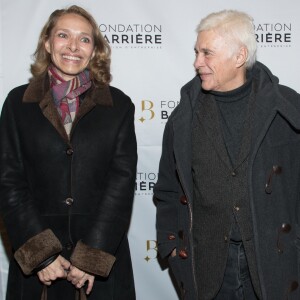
[
  {"x": 79, "y": 278},
  {"x": 57, "y": 269}
]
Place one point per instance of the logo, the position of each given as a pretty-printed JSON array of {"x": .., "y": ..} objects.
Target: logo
[
  {"x": 151, "y": 109},
  {"x": 151, "y": 248},
  {"x": 147, "y": 110},
  {"x": 133, "y": 36},
  {"x": 145, "y": 183},
  {"x": 274, "y": 34}
]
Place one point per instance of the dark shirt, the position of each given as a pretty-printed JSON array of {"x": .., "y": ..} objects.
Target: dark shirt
[{"x": 233, "y": 106}]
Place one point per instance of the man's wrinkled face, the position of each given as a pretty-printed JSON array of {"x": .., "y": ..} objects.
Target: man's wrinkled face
[{"x": 216, "y": 63}]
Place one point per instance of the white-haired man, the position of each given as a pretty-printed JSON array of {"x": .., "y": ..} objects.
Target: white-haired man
[{"x": 228, "y": 188}]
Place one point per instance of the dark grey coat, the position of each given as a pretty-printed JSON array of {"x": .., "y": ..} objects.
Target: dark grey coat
[
  {"x": 68, "y": 196},
  {"x": 273, "y": 186}
]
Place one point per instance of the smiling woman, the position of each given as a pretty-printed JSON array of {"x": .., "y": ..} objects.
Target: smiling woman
[
  {"x": 68, "y": 159},
  {"x": 71, "y": 45},
  {"x": 88, "y": 30}
]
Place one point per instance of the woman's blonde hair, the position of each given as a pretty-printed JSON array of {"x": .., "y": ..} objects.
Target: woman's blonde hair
[{"x": 99, "y": 65}]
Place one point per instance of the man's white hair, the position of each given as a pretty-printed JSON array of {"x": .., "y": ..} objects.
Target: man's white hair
[{"x": 235, "y": 26}]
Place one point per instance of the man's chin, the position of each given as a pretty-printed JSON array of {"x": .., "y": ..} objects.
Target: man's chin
[{"x": 205, "y": 87}]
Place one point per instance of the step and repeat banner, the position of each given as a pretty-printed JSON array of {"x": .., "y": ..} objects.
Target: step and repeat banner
[{"x": 152, "y": 45}]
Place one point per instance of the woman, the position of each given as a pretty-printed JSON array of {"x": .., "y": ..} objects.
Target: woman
[{"x": 67, "y": 166}]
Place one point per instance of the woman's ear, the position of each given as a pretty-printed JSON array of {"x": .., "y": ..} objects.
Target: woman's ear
[{"x": 47, "y": 46}]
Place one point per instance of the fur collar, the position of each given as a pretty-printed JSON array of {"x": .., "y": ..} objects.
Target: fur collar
[
  {"x": 39, "y": 87},
  {"x": 38, "y": 91}
]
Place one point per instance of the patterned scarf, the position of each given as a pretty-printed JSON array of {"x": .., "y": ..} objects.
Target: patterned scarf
[{"x": 66, "y": 94}]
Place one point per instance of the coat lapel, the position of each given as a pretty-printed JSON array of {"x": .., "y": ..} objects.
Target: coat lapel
[
  {"x": 93, "y": 97},
  {"x": 182, "y": 151},
  {"x": 50, "y": 112},
  {"x": 38, "y": 91},
  {"x": 182, "y": 127}
]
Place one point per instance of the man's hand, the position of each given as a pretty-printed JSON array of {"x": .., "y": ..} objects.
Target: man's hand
[
  {"x": 57, "y": 269},
  {"x": 173, "y": 253}
]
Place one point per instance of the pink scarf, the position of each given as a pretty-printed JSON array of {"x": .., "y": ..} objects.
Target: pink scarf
[{"x": 66, "y": 94}]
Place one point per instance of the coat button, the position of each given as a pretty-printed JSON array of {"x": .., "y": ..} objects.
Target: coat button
[
  {"x": 183, "y": 254},
  {"x": 183, "y": 200},
  {"x": 233, "y": 173},
  {"x": 294, "y": 285},
  {"x": 286, "y": 227},
  {"x": 171, "y": 237},
  {"x": 69, "y": 151},
  {"x": 277, "y": 169},
  {"x": 236, "y": 208},
  {"x": 69, "y": 201},
  {"x": 69, "y": 246}
]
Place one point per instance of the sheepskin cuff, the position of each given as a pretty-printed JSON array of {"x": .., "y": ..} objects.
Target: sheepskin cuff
[
  {"x": 36, "y": 250},
  {"x": 45, "y": 263},
  {"x": 92, "y": 260}
]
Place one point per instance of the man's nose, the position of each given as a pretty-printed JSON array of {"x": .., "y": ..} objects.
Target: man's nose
[{"x": 199, "y": 61}]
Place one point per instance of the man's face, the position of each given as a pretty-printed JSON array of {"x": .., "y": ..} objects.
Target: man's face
[{"x": 217, "y": 64}]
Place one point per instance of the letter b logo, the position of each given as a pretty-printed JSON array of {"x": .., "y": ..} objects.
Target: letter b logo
[
  {"x": 151, "y": 247},
  {"x": 147, "y": 111}
]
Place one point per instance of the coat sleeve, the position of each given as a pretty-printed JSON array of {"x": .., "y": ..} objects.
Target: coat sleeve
[
  {"x": 95, "y": 253},
  {"x": 166, "y": 193},
  {"x": 32, "y": 242}
]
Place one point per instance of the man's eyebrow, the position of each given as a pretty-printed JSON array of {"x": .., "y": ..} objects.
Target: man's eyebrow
[
  {"x": 203, "y": 50},
  {"x": 206, "y": 50}
]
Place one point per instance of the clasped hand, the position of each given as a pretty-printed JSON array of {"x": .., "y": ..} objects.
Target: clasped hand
[{"x": 62, "y": 268}]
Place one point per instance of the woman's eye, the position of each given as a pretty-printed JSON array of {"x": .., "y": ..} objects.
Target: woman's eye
[
  {"x": 62, "y": 35},
  {"x": 85, "y": 40}
]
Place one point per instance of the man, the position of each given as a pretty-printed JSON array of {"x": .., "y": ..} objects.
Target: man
[{"x": 228, "y": 189}]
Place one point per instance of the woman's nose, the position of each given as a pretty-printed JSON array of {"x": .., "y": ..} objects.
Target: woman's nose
[{"x": 73, "y": 45}]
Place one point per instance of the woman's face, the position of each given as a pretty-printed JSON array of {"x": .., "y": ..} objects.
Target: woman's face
[{"x": 71, "y": 45}]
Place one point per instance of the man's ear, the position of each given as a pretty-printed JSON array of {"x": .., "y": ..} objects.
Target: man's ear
[{"x": 241, "y": 57}]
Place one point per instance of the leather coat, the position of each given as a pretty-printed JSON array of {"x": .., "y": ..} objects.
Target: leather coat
[{"x": 69, "y": 196}]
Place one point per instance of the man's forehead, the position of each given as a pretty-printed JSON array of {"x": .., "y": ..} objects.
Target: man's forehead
[{"x": 209, "y": 40}]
